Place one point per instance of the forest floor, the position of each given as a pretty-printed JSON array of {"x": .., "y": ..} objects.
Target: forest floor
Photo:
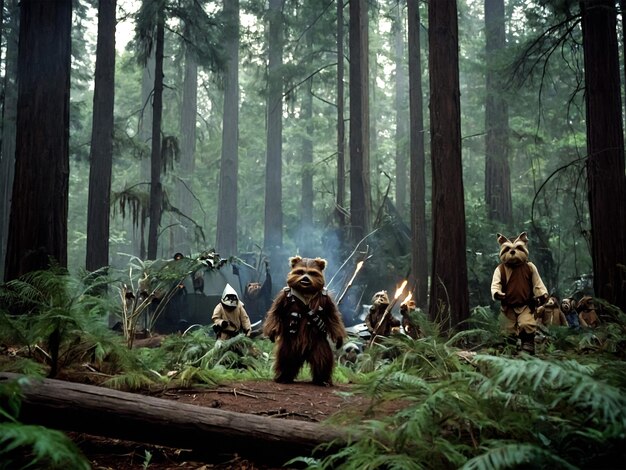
[{"x": 298, "y": 401}]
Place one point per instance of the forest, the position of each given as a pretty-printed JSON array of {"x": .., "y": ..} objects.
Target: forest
[{"x": 156, "y": 153}]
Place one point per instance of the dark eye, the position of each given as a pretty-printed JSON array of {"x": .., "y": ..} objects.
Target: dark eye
[
  {"x": 299, "y": 271},
  {"x": 506, "y": 249}
]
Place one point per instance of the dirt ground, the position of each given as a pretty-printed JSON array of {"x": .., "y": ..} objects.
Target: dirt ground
[{"x": 298, "y": 401}]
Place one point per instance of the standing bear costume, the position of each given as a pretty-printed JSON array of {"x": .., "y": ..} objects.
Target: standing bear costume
[
  {"x": 300, "y": 321},
  {"x": 516, "y": 283}
]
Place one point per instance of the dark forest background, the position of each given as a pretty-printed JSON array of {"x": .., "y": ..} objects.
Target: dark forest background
[{"x": 406, "y": 133}]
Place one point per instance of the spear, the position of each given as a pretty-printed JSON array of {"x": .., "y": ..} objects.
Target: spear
[{"x": 388, "y": 309}]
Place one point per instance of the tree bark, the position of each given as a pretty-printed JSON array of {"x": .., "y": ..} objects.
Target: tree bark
[
  {"x": 226, "y": 242},
  {"x": 341, "y": 125},
  {"x": 273, "y": 236},
  {"x": 605, "y": 148},
  {"x": 101, "y": 158},
  {"x": 156, "y": 188},
  {"x": 38, "y": 221},
  {"x": 9, "y": 117},
  {"x": 189, "y": 111},
  {"x": 103, "y": 412},
  {"x": 449, "y": 296},
  {"x": 419, "y": 246},
  {"x": 402, "y": 174},
  {"x": 360, "y": 191},
  {"x": 497, "y": 172},
  {"x": 305, "y": 235}
]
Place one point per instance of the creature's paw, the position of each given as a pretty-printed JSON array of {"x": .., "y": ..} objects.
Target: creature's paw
[
  {"x": 339, "y": 343},
  {"x": 499, "y": 296}
]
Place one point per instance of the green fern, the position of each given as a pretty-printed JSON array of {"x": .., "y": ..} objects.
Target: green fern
[
  {"x": 46, "y": 448},
  {"x": 503, "y": 455}
]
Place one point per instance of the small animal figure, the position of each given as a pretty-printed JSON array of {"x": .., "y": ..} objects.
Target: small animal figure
[
  {"x": 550, "y": 314},
  {"x": 568, "y": 307},
  {"x": 516, "y": 283},
  {"x": 408, "y": 324},
  {"x": 301, "y": 320},
  {"x": 379, "y": 324},
  {"x": 349, "y": 353},
  {"x": 587, "y": 312}
]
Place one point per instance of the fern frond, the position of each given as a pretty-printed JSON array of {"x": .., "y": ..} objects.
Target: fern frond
[
  {"x": 511, "y": 455},
  {"x": 130, "y": 381},
  {"x": 50, "y": 448}
]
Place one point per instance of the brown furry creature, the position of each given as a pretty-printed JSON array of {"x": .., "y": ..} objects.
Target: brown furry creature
[
  {"x": 587, "y": 312},
  {"x": 380, "y": 302},
  {"x": 551, "y": 314},
  {"x": 516, "y": 283},
  {"x": 301, "y": 319}
]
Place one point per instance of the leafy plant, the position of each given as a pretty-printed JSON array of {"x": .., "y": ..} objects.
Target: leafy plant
[
  {"x": 27, "y": 446},
  {"x": 462, "y": 409}
]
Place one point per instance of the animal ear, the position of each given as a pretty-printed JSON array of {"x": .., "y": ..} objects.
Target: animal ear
[
  {"x": 523, "y": 237},
  {"x": 294, "y": 260},
  {"x": 502, "y": 239},
  {"x": 320, "y": 263}
]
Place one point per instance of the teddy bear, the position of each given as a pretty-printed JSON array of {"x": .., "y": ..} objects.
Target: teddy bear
[
  {"x": 379, "y": 324},
  {"x": 550, "y": 313},
  {"x": 587, "y": 312},
  {"x": 301, "y": 320},
  {"x": 516, "y": 283}
]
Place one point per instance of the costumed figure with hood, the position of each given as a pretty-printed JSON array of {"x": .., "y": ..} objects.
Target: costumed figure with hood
[{"x": 229, "y": 316}]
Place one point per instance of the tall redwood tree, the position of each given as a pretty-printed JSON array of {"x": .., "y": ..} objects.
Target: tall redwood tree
[
  {"x": 449, "y": 296},
  {"x": 38, "y": 222},
  {"x": 605, "y": 148},
  {"x": 101, "y": 157}
]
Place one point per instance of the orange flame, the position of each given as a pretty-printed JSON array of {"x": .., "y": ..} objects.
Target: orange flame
[
  {"x": 407, "y": 298},
  {"x": 400, "y": 289}
]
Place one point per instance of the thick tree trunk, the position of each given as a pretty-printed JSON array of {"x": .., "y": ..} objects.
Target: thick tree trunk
[
  {"x": 156, "y": 188},
  {"x": 103, "y": 412},
  {"x": 101, "y": 159},
  {"x": 360, "y": 191},
  {"x": 226, "y": 231},
  {"x": 497, "y": 173},
  {"x": 273, "y": 236},
  {"x": 419, "y": 255},
  {"x": 38, "y": 222},
  {"x": 605, "y": 148},
  {"x": 449, "y": 296},
  {"x": 9, "y": 117}
]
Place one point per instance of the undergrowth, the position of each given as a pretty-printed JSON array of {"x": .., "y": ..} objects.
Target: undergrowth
[
  {"x": 468, "y": 401},
  {"x": 478, "y": 407}
]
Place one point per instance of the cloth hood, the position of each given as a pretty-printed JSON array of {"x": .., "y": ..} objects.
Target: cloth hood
[{"x": 229, "y": 296}]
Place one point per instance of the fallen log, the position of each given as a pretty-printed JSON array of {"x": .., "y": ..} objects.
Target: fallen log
[{"x": 206, "y": 431}]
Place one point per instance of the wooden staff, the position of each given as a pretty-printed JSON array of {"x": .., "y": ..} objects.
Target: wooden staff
[{"x": 359, "y": 265}]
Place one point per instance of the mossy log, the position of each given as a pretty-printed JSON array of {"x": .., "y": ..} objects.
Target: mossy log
[{"x": 206, "y": 431}]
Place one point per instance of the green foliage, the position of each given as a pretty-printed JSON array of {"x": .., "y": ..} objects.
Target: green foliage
[
  {"x": 49, "y": 448},
  {"x": 460, "y": 409},
  {"x": 53, "y": 308},
  {"x": 28, "y": 446}
]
